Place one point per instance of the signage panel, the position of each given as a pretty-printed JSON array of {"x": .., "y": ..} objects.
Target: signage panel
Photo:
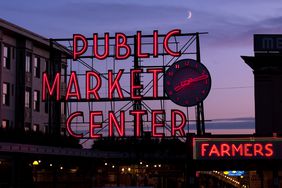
[
  {"x": 267, "y": 42},
  {"x": 237, "y": 148}
]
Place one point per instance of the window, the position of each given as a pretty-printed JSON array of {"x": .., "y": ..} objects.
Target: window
[
  {"x": 27, "y": 127},
  {"x": 36, "y": 104},
  {"x": 63, "y": 131},
  {"x": 28, "y": 62},
  {"x": 46, "y": 129},
  {"x": 44, "y": 64},
  {"x": 35, "y": 127},
  {"x": 46, "y": 106},
  {"x": 7, "y": 57},
  {"x": 63, "y": 108},
  {"x": 5, "y": 124},
  {"x": 27, "y": 97},
  {"x": 6, "y": 94},
  {"x": 36, "y": 68},
  {"x": 63, "y": 74}
]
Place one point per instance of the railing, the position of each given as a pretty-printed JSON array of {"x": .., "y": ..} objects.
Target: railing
[{"x": 49, "y": 150}]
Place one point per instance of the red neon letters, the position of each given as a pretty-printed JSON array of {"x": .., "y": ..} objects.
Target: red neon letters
[
  {"x": 122, "y": 48},
  {"x": 93, "y": 83},
  {"x": 96, "y": 46},
  {"x": 51, "y": 89},
  {"x": 117, "y": 127},
  {"x": 236, "y": 150}
]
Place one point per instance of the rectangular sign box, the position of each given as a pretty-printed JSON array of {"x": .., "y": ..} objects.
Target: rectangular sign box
[
  {"x": 237, "y": 148},
  {"x": 267, "y": 43}
]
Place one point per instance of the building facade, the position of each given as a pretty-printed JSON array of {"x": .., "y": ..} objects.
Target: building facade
[
  {"x": 24, "y": 57},
  {"x": 267, "y": 69}
]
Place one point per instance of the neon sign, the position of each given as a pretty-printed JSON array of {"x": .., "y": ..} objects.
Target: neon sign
[
  {"x": 122, "y": 50},
  {"x": 236, "y": 148},
  {"x": 121, "y": 44}
]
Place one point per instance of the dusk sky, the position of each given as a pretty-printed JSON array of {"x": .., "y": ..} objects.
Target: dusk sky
[{"x": 231, "y": 25}]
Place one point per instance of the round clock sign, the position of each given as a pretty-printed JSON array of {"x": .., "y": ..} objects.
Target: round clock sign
[{"x": 187, "y": 82}]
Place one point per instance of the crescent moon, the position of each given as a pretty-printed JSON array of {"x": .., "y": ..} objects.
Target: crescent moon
[{"x": 189, "y": 15}]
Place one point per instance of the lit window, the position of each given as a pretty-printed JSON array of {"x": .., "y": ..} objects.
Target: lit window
[
  {"x": 6, "y": 94},
  {"x": 28, "y": 62},
  {"x": 35, "y": 128},
  {"x": 63, "y": 131},
  {"x": 5, "y": 124},
  {"x": 36, "y": 68},
  {"x": 27, "y": 97},
  {"x": 7, "y": 57},
  {"x": 36, "y": 104},
  {"x": 27, "y": 127}
]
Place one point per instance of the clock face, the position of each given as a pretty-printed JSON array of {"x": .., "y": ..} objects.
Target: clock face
[{"x": 187, "y": 82}]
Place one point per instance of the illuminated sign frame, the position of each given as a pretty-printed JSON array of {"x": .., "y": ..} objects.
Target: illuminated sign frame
[
  {"x": 237, "y": 148},
  {"x": 51, "y": 86}
]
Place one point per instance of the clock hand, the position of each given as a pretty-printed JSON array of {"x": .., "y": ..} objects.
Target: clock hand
[
  {"x": 189, "y": 81},
  {"x": 199, "y": 78}
]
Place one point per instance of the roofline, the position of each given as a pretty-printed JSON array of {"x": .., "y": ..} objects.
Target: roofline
[{"x": 31, "y": 35}]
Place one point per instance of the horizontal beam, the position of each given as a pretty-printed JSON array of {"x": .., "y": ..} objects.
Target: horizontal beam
[
  {"x": 115, "y": 99},
  {"x": 132, "y": 36}
]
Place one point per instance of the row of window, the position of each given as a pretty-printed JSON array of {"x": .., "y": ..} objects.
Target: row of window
[
  {"x": 27, "y": 127},
  {"x": 36, "y": 97},
  {"x": 27, "y": 100},
  {"x": 6, "y": 94},
  {"x": 36, "y": 65},
  {"x": 28, "y": 62}
]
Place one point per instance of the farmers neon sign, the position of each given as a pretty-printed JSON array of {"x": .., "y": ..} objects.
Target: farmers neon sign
[{"x": 236, "y": 148}]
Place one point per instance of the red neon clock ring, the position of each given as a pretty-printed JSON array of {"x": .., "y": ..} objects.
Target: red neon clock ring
[{"x": 187, "y": 82}]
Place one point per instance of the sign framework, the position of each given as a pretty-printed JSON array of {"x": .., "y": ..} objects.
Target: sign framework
[{"x": 133, "y": 41}]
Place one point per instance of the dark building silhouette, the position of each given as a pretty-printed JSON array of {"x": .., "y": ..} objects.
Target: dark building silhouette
[{"x": 267, "y": 69}]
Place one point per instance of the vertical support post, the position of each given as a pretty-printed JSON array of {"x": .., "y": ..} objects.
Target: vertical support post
[
  {"x": 54, "y": 106},
  {"x": 275, "y": 178},
  {"x": 50, "y": 72},
  {"x": 54, "y": 176},
  {"x": 200, "y": 120},
  {"x": 118, "y": 175},
  {"x": 137, "y": 103}
]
